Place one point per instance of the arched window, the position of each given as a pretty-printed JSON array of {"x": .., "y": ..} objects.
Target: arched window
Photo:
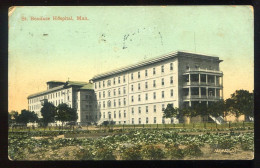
[{"x": 109, "y": 103}]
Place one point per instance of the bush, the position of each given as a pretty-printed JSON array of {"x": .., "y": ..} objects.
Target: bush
[
  {"x": 104, "y": 154},
  {"x": 175, "y": 152},
  {"x": 192, "y": 150},
  {"x": 247, "y": 146},
  {"x": 85, "y": 154},
  {"x": 153, "y": 152},
  {"x": 132, "y": 153}
]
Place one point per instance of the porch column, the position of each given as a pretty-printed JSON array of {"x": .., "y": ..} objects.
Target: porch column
[
  {"x": 199, "y": 92},
  {"x": 215, "y": 80},
  {"x": 189, "y": 80},
  {"x": 207, "y": 94},
  {"x": 199, "y": 78},
  {"x": 222, "y": 87},
  {"x": 206, "y": 79},
  {"x": 215, "y": 93}
]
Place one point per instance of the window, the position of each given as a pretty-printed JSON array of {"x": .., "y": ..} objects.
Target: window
[
  {"x": 114, "y": 92},
  {"x": 139, "y": 110},
  {"x": 104, "y": 95},
  {"x": 109, "y": 93},
  {"x": 154, "y": 120},
  {"x": 99, "y": 84},
  {"x": 154, "y": 72},
  {"x": 124, "y": 90},
  {"x": 162, "y": 68},
  {"x": 139, "y": 121},
  {"x": 119, "y": 102},
  {"x": 99, "y": 94},
  {"x": 133, "y": 111},
  {"x": 124, "y": 78},
  {"x": 146, "y": 96},
  {"x": 119, "y": 80},
  {"x": 95, "y": 85},
  {"x": 119, "y": 114},
  {"x": 163, "y": 121},
  {"x": 154, "y": 95},
  {"x": 139, "y": 86},
  {"x": 114, "y": 81},
  {"x": 109, "y": 103},
  {"x": 119, "y": 91},
  {"x": 146, "y": 73},
  {"x": 147, "y": 120},
  {"x": 154, "y": 108},
  {"x": 109, "y": 83},
  {"x": 86, "y": 96},
  {"x": 162, "y": 81},
  {"x": 171, "y": 80},
  {"x": 171, "y": 66},
  {"x": 146, "y": 109},
  {"x": 139, "y": 97},
  {"x": 132, "y": 98},
  {"x": 133, "y": 120},
  {"x": 146, "y": 85},
  {"x": 124, "y": 114},
  {"x": 154, "y": 83},
  {"x": 163, "y": 107},
  {"x": 171, "y": 92},
  {"x": 103, "y": 83},
  {"x": 114, "y": 114},
  {"x": 162, "y": 94},
  {"x": 104, "y": 115},
  {"x": 114, "y": 103},
  {"x": 124, "y": 101},
  {"x": 132, "y": 88},
  {"x": 104, "y": 104},
  {"x": 139, "y": 75},
  {"x": 132, "y": 76},
  {"x": 56, "y": 95}
]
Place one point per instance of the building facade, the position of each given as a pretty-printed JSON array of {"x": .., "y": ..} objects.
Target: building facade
[
  {"x": 77, "y": 95},
  {"x": 138, "y": 94}
]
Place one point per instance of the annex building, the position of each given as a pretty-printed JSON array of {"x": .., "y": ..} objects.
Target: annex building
[
  {"x": 78, "y": 95},
  {"x": 138, "y": 94}
]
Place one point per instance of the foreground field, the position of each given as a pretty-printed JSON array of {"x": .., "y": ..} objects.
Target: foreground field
[{"x": 141, "y": 144}]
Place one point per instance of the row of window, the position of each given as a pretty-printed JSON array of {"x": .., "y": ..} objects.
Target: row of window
[
  {"x": 109, "y": 103},
  {"x": 132, "y": 77},
  {"x": 115, "y": 91},
  {"x": 38, "y": 106},
  {"x": 49, "y": 96},
  {"x": 109, "y": 115},
  {"x": 154, "y": 95}
]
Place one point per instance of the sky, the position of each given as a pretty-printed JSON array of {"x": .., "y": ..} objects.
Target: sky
[{"x": 113, "y": 37}]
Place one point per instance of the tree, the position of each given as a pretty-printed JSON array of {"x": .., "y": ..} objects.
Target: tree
[
  {"x": 217, "y": 108},
  {"x": 48, "y": 112},
  {"x": 12, "y": 117},
  {"x": 65, "y": 113},
  {"x": 27, "y": 116},
  {"x": 241, "y": 103},
  {"x": 170, "y": 111}
]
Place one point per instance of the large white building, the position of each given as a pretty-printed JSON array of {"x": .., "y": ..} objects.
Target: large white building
[
  {"x": 78, "y": 95},
  {"x": 137, "y": 94}
]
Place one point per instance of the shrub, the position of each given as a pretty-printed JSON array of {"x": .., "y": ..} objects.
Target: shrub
[
  {"x": 175, "y": 152},
  {"x": 132, "y": 153},
  {"x": 193, "y": 150},
  {"x": 85, "y": 154},
  {"x": 104, "y": 154},
  {"x": 247, "y": 146},
  {"x": 153, "y": 152}
]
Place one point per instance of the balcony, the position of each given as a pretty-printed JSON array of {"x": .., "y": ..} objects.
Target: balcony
[
  {"x": 202, "y": 84},
  {"x": 201, "y": 97},
  {"x": 190, "y": 70}
]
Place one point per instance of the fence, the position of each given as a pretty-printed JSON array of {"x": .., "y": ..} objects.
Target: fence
[{"x": 201, "y": 125}]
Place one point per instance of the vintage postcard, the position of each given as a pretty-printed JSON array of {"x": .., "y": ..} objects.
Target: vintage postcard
[{"x": 131, "y": 83}]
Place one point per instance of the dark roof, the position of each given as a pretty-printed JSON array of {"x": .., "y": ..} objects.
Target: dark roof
[
  {"x": 154, "y": 60},
  {"x": 81, "y": 85}
]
